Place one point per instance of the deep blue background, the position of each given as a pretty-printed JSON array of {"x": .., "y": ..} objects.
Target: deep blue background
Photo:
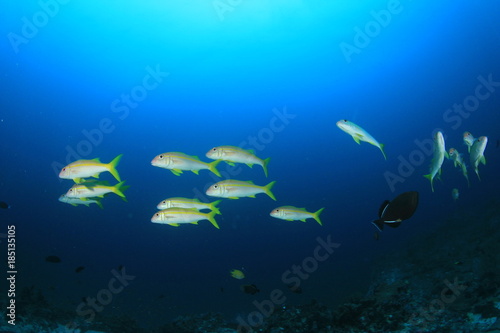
[{"x": 225, "y": 78}]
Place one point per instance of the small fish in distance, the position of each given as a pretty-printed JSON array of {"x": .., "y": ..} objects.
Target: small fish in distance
[
  {"x": 53, "y": 259},
  {"x": 249, "y": 289},
  {"x": 394, "y": 212},
  {"x": 4, "y": 205},
  {"x": 237, "y": 274}
]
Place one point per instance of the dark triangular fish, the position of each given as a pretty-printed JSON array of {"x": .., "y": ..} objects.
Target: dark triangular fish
[
  {"x": 394, "y": 212},
  {"x": 4, "y": 205}
]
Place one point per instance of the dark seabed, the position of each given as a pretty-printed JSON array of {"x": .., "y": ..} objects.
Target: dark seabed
[{"x": 94, "y": 79}]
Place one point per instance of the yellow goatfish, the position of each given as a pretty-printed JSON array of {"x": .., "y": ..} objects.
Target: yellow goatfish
[
  {"x": 232, "y": 154},
  {"x": 469, "y": 140},
  {"x": 189, "y": 203},
  {"x": 96, "y": 189},
  {"x": 290, "y": 213},
  {"x": 80, "y": 201},
  {"x": 89, "y": 168},
  {"x": 178, "y": 162},
  {"x": 477, "y": 153},
  {"x": 359, "y": 134},
  {"x": 458, "y": 161},
  {"x": 438, "y": 158},
  {"x": 234, "y": 189},
  {"x": 176, "y": 216}
]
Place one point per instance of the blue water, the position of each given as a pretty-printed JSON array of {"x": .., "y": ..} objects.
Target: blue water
[{"x": 270, "y": 76}]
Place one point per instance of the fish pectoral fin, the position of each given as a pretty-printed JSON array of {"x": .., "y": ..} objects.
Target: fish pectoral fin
[
  {"x": 249, "y": 164},
  {"x": 230, "y": 163},
  {"x": 289, "y": 219},
  {"x": 251, "y": 196},
  {"x": 357, "y": 138},
  {"x": 196, "y": 172},
  {"x": 482, "y": 159},
  {"x": 194, "y": 223},
  {"x": 176, "y": 172},
  {"x": 303, "y": 220},
  {"x": 96, "y": 175},
  {"x": 73, "y": 204},
  {"x": 173, "y": 224},
  {"x": 233, "y": 198},
  {"x": 77, "y": 180}
]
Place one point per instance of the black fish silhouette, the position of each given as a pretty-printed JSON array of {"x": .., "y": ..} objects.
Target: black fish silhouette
[{"x": 394, "y": 212}]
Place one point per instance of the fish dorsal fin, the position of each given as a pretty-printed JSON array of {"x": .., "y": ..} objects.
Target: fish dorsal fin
[
  {"x": 250, "y": 182},
  {"x": 251, "y": 151},
  {"x": 195, "y": 157},
  {"x": 96, "y": 160},
  {"x": 382, "y": 208}
]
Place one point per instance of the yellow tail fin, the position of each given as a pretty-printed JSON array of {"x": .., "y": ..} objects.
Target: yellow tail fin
[{"x": 112, "y": 167}]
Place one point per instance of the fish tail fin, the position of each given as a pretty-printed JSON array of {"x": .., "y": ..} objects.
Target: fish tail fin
[
  {"x": 119, "y": 189},
  {"x": 211, "y": 218},
  {"x": 268, "y": 188},
  {"x": 429, "y": 176},
  {"x": 379, "y": 224},
  {"x": 264, "y": 165},
  {"x": 316, "y": 216},
  {"x": 213, "y": 207},
  {"x": 213, "y": 167},
  {"x": 112, "y": 167},
  {"x": 382, "y": 146}
]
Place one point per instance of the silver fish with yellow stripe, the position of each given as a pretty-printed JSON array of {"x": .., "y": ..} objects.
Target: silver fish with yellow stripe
[
  {"x": 96, "y": 189},
  {"x": 359, "y": 134},
  {"x": 177, "y": 216},
  {"x": 178, "y": 162},
  {"x": 477, "y": 153},
  {"x": 291, "y": 213},
  {"x": 234, "y": 189},
  {"x": 232, "y": 154},
  {"x": 89, "y": 168},
  {"x": 189, "y": 203},
  {"x": 80, "y": 201}
]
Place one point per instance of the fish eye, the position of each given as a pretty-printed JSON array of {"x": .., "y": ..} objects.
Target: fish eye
[
  {"x": 63, "y": 169},
  {"x": 345, "y": 120},
  {"x": 161, "y": 156},
  {"x": 216, "y": 186},
  {"x": 214, "y": 149},
  {"x": 157, "y": 214}
]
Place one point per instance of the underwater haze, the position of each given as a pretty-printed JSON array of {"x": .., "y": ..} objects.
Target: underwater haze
[{"x": 95, "y": 79}]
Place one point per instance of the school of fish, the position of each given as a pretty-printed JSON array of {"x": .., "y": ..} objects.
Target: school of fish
[{"x": 174, "y": 211}]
